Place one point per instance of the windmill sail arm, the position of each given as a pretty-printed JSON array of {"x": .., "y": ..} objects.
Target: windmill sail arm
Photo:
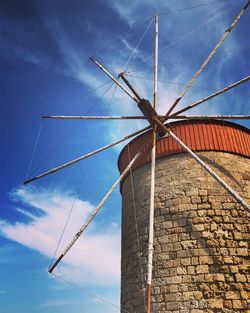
[
  {"x": 114, "y": 79},
  {"x": 208, "y": 59},
  {"x": 217, "y": 93},
  {"x": 211, "y": 172},
  {"x": 139, "y": 117},
  {"x": 153, "y": 157},
  {"x": 58, "y": 168},
  {"x": 92, "y": 117},
  {"x": 95, "y": 212}
]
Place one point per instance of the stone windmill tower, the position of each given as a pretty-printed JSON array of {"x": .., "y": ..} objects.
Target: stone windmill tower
[
  {"x": 201, "y": 253},
  {"x": 190, "y": 206}
]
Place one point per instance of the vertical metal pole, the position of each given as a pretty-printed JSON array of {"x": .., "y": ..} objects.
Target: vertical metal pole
[{"x": 152, "y": 189}]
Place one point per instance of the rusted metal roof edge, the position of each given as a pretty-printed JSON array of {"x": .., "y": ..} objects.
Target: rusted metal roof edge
[{"x": 188, "y": 122}]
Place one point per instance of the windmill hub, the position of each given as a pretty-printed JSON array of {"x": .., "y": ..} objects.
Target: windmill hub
[{"x": 154, "y": 119}]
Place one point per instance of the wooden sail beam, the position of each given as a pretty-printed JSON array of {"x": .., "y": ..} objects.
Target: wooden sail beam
[
  {"x": 217, "y": 93},
  {"x": 93, "y": 117},
  {"x": 207, "y": 60},
  {"x": 152, "y": 186},
  {"x": 122, "y": 75},
  {"x": 211, "y": 172},
  {"x": 95, "y": 212},
  {"x": 58, "y": 168},
  {"x": 139, "y": 117},
  {"x": 115, "y": 80}
]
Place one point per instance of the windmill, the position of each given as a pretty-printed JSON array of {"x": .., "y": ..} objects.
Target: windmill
[{"x": 160, "y": 128}]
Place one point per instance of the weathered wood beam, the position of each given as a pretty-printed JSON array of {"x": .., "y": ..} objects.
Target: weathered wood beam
[
  {"x": 94, "y": 213},
  {"x": 217, "y": 93},
  {"x": 207, "y": 60}
]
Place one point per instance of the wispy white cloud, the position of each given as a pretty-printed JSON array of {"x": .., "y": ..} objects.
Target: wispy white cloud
[
  {"x": 27, "y": 213},
  {"x": 95, "y": 258},
  {"x": 55, "y": 302},
  {"x": 133, "y": 11}
]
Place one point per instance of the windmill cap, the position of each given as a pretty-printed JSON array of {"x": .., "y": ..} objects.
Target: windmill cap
[{"x": 198, "y": 135}]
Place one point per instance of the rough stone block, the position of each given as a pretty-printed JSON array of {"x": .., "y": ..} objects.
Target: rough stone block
[
  {"x": 192, "y": 192},
  {"x": 195, "y": 199},
  {"x": 167, "y": 224},
  {"x": 219, "y": 277},
  {"x": 215, "y": 303},
  {"x": 232, "y": 295},
  {"x": 237, "y": 304},
  {"x": 191, "y": 295},
  {"x": 240, "y": 278}
]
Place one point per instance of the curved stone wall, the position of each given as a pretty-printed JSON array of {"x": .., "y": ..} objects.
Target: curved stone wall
[{"x": 201, "y": 246}]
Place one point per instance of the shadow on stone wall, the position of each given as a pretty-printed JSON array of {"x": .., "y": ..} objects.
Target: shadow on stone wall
[{"x": 222, "y": 169}]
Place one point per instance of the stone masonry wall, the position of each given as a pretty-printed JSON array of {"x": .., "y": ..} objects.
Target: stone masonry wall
[{"x": 201, "y": 246}]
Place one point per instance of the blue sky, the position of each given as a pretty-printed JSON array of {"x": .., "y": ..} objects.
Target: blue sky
[{"x": 44, "y": 51}]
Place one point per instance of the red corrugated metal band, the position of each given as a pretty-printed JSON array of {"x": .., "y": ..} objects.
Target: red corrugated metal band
[{"x": 198, "y": 135}]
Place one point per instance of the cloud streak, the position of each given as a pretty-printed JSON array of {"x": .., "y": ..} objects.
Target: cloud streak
[
  {"x": 54, "y": 302},
  {"x": 94, "y": 259}
]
